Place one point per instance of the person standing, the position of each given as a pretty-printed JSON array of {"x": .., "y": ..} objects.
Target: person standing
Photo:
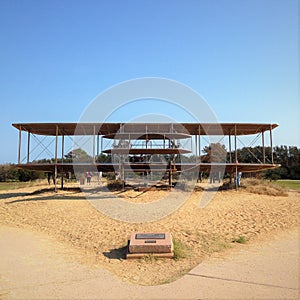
[{"x": 88, "y": 177}]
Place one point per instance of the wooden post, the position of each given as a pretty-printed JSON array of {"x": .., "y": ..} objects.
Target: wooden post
[
  {"x": 199, "y": 131},
  {"x": 55, "y": 166},
  {"x": 236, "y": 177},
  {"x": 97, "y": 144},
  {"x": 235, "y": 144},
  {"x": 94, "y": 142},
  {"x": 20, "y": 143},
  {"x": 271, "y": 145},
  {"x": 28, "y": 146},
  {"x": 170, "y": 173},
  {"x": 62, "y": 160},
  {"x": 196, "y": 143},
  {"x": 230, "y": 154},
  {"x": 236, "y": 158},
  {"x": 263, "y": 145}
]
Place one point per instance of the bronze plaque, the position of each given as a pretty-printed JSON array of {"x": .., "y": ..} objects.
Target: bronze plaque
[{"x": 148, "y": 236}]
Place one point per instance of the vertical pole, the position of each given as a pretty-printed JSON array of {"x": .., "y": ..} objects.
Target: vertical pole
[
  {"x": 170, "y": 173},
  {"x": 146, "y": 137},
  {"x": 196, "y": 144},
  {"x": 94, "y": 142},
  {"x": 230, "y": 154},
  {"x": 263, "y": 146},
  {"x": 28, "y": 146},
  {"x": 271, "y": 145},
  {"x": 235, "y": 144},
  {"x": 199, "y": 146},
  {"x": 62, "y": 160},
  {"x": 97, "y": 144},
  {"x": 236, "y": 177},
  {"x": 236, "y": 159},
  {"x": 199, "y": 132},
  {"x": 101, "y": 144},
  {"x": 20, "y": 142},
  {"x": 62, "y": 148},
  {"x": 55, "y": 166}
]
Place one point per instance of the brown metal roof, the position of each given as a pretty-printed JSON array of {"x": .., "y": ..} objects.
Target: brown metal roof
[{"x": 112, "y": 128}]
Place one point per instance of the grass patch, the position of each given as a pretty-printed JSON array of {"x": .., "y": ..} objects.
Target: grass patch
[
  {"x": 180, "y": 250},
  {"x": 263, "y": 187},
  {"x": 150, "y": 258},
  {"x": 240, "y": 240},
  {"x": 212, "y": 243},
  {"x": 15, "y": 185},
  {"x": 288, "y": 184}
]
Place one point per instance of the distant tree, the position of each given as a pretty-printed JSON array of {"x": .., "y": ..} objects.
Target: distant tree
[
  {"x": 10, "y": 172},
  {"x": 289, "y": 158},
  {"x": 214, "y": 153},
  {"x": 78, "y": 155},
  {"x": 103, "y": 158}
]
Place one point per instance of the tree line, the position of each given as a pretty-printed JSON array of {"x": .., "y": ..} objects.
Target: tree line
[{"x": 287, "y": 156}]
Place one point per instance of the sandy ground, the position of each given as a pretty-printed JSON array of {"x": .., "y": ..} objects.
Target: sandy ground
[
  {"x": 34, "y": 266},
  {"x": 98, "y": 241}
]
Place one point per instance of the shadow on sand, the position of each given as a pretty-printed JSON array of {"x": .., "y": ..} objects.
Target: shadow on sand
[{"x": 119, "y": 253}]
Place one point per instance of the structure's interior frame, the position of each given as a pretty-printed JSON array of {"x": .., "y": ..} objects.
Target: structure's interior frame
[{"x": 144, "y": 135}]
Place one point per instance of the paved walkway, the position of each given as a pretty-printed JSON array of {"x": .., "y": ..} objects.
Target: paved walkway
[{"x": 33, "y": 266}]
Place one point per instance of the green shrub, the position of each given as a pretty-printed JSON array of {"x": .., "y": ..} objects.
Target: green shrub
[
  {"x": 180, "y": 250},
  {"x": 240, "y": 240}
]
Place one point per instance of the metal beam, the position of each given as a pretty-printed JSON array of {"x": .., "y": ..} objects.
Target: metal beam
[
  {"x": 20, "y": 143},
  {"x": 263, "y": 146},
  {"x": 199, "y": 134},
  {"x": 271, "y": 145},
  {"x": 62, "y": 159},
  {"x": 236, "y": 159},
  {"x": 28, "y": 146},
  {"x": 56, "y": 151},
  {"x": 230, "y": 154},
  {"x": 94, "y": 143},
  {"x": 98, "y": 145},
  {"x": 235, "y": 144}
]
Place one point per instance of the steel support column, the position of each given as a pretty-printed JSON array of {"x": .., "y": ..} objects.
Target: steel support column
[
  {"x": 56, "y": 152},
  {"x": 263, "y": 146},
  {"x": 62, "y": 160},
  {"x": 97, "y": 144},
  {"x": 20, "y": 143},
  {"x": 230, "y": 154},
  {"x": 271, "y": 145},
  {"x": 199, "y": 143},
  {"x": 94, "y": 143},
  {"x": 28, "y": 146},
  {"x": 236, "y": 159}
]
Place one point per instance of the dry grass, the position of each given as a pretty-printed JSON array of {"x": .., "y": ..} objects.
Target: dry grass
[
  {"x": 199, "y": 233},
  {"x": 263, "y": 187}
]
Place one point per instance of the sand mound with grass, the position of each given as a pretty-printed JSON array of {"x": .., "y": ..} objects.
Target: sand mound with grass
[
  {"x": 231, "y": 216},
  {"x": 263, "y": 187}
]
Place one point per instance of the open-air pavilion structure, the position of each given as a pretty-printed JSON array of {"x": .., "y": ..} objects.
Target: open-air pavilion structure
[{"x": 144, "y": 141}]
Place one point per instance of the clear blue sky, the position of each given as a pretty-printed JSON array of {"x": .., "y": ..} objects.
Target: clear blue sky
[{"x": 241, "y": 56}]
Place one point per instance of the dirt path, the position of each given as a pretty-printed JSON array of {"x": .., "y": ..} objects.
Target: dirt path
[{"x": 34, "y": 266}]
